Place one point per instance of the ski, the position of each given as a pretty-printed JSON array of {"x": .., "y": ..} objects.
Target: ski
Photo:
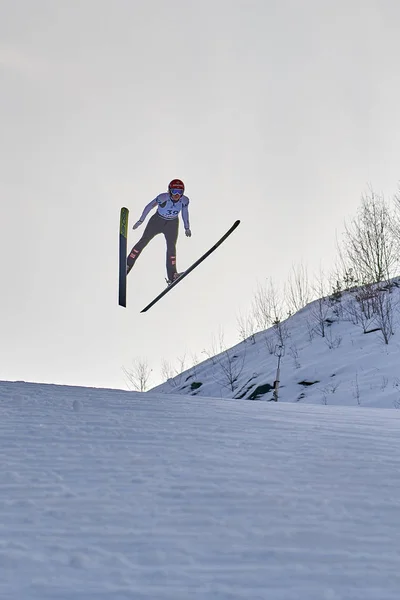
[
  {"x": 193, "y": 266},
  {"x": 123, "y": 242}
]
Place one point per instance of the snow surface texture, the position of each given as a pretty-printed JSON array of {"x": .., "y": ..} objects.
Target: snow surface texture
[
  {"x": 344, "y": 366},
  {"x": 117, "y": 495}
]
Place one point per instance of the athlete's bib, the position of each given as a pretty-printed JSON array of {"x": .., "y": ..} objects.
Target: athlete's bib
[{"x": 168, "y": 209}]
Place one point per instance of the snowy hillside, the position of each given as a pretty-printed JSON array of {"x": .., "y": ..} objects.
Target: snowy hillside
[
  {"x": 333, "y": 352},
  {"x": 117, "y": 495}
]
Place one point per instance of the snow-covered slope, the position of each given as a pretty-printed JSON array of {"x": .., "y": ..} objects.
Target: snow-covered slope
[
  {"x": 344, "y": 366},
  {"x": 114, "y": 495}
]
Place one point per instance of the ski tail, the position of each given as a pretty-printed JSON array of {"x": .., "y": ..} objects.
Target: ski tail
[
  {"x": 193, "y": 266},
  {"x": 123, "y": 247}
]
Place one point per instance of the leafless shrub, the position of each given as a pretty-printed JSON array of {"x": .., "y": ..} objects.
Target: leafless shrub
[
  {"x": 332, "y": 341},
  {"x": 334, "y": 386},
  {"x": 228, "y": 364},
  {"x": 173, "y": 375},
  {"x": 270, "y": 343},
  {"x": 246, "y": 328},
  {"x": 360, "y": 306},
  {"x": 138, "y": 375},
  {"x": 297, "y": 289},
  {"x": 231, "y": 367},
  {"x": 396, "y": 220},
  {"x": 335, "y": 296},
  {"x": 310, "y": 330},
  {"x": 267, "y": 306},
  {"x": 384, "y": 314},
  {"x": 217, "y": 346},
  {"x": 193, "y": 368},
  {"x": 320, "y": 308},
  {"x": 372, "y": 306},
  {"x": 329, "y": 390},
  {"x": 167, "y": 372},
  {"x": 267, "y": 310},
  {"x": 384, "y": 382},
  {"x": 294, "y": 354},
  {"x": 281, "y": 332},
  {"x": 209, "y": 355},
  {"x": 181, "y": 364}
]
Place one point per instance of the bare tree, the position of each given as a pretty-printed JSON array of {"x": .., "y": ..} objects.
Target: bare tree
[
  {"x": 337, "y": 287},
  {"x": 138, "y": 376},
  {"x": 195, "y": 361},
  {"x": 372, "y": 306},
  {"x": 297, "y": 289},
  {"x": 246, "y": 328},
  {"x": 217, "y": 346},
  {"x": 328, "y": 390},
  {"x": 320, "y": 308},
  {"x": 268, "y": 309},
  {"x": 396, "y": 220},
  {"x": 294, "y": 353},
  {"x": 228, "y": 365},
  {"x": 344, "y": 277},
  {"x": 384, "y": 313},
  {"x": 267, "y": 306},
  {"x": 270, "y": 342},
  {"x": 181, "y": 365},
  {"x": 172, "y": 374},
  {"x": 359, "y": 306},
  {"x": 281, "y": 332},
  {"x": 167, "y": 372},
  {"x": 332, "y": 341},
  {"x": 369, "y": 244}
]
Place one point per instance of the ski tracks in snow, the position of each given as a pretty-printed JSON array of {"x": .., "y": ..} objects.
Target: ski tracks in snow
[{"x": 115, "y": 495}]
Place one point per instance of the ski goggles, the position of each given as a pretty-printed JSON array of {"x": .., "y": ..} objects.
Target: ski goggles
[{"x": 175, "y": 192}]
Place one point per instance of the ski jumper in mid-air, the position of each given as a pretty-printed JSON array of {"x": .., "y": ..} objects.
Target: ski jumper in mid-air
[{"x": 165, "y": 220}]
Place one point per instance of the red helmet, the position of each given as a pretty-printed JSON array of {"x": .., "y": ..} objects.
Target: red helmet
[{"x": 178, "y": 185}]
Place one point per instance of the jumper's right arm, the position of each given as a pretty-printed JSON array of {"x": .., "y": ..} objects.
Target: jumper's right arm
[
  {"x": 145, "y": 212},
  {"x": 147, "y": 209}
]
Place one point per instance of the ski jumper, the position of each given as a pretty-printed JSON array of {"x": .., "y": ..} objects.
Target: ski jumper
[{"x": 165, "y": 221}]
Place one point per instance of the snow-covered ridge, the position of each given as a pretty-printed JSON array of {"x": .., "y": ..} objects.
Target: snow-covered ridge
[{"x": 342, "y": 350}]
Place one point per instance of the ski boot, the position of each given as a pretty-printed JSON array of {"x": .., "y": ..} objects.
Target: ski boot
[{"x": 174, "y": 278}]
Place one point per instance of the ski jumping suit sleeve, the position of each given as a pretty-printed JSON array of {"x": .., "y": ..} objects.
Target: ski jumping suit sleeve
[
  {"x": 147, "y": 209},
  {"x": 185, "y": 212}
]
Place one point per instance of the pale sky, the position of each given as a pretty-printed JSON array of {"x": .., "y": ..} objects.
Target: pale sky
[{"x": 279, "y": 113}]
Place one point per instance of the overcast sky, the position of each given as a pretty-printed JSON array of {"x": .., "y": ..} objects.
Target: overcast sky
[{"x": 276, "y": 112}]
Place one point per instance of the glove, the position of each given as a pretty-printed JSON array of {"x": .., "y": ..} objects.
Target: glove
[
  {"x": 137, "y": 224},
  {"x": 188, "y": 233}
]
